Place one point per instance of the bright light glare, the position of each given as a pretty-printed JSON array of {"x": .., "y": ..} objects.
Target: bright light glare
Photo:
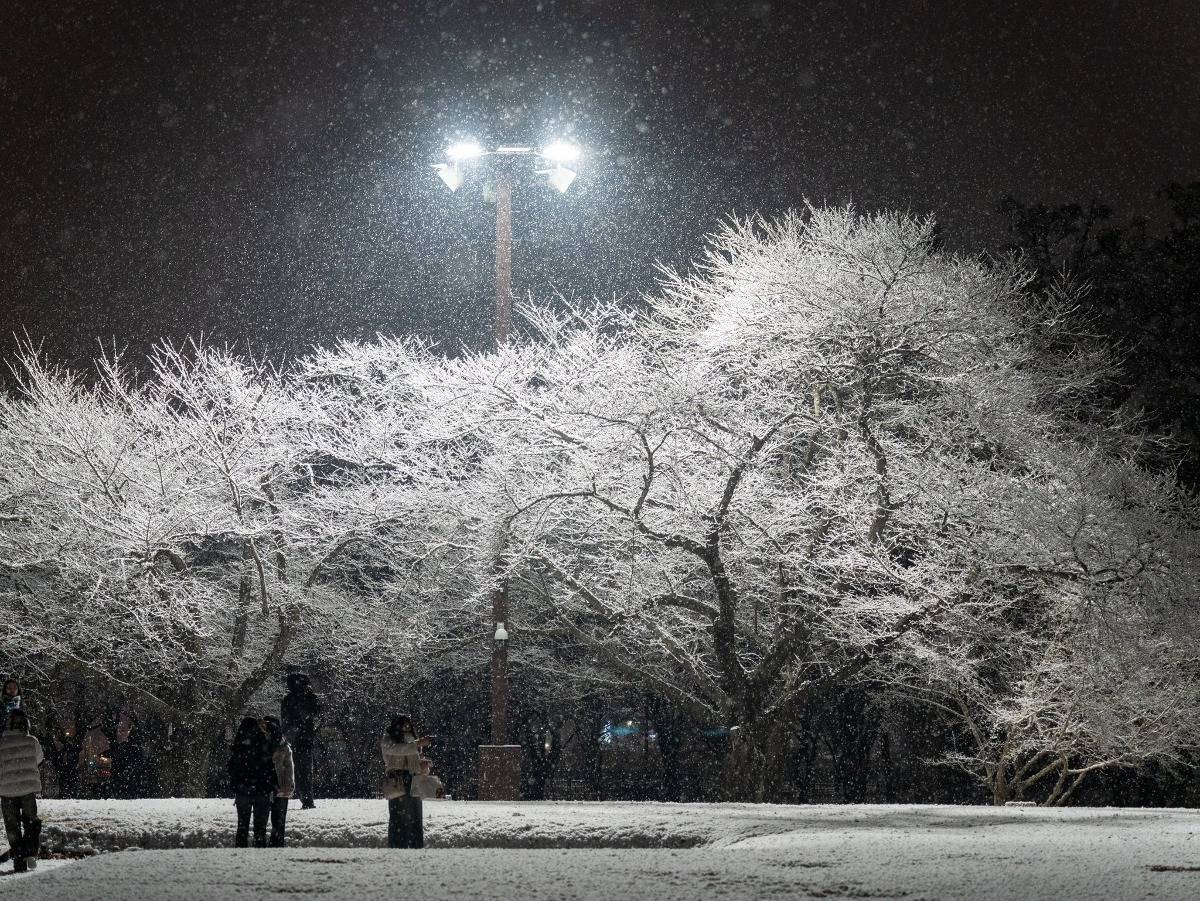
[
  {"x": 561, "y": 178},
  {"x": 464, "y": 150},
  {"x": 560, "y": 152},
  {"x": 450, "y": 175}
]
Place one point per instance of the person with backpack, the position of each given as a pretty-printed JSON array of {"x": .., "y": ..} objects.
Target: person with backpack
[
  {"x": 285, "y": 779},
  {"x": 252, "y": 780},
  {"x": 402, "y": 761},
  {"x": 20, "y": 782},
  {"x": 299, "y": 709}
]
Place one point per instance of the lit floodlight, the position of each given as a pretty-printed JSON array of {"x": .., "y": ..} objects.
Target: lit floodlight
[
  {"x": 450, "y": 175},
  {"x": 560, "y": 152},
  {"x": 464, "y": 150},
  {"x": 561, "y": 178}
]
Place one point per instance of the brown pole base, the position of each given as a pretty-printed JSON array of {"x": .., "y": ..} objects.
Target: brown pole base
[{"x": 499, "y": 772}]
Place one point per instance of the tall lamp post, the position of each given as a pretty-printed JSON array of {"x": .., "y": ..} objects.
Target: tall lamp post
[
  {"x": 500, "y": 762},
  {"x": 503, "y": 163}
]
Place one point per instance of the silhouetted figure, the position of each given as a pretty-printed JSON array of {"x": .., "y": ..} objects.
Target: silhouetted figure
[
  {"x": 64, "y": 752},
  {"x": 132, "y": 769},
  {"x": 252, "y": 779},
  {"x": 299, "y": 710}
]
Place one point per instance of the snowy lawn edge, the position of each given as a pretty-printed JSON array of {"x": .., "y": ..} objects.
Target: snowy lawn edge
[{"x": 89, "y": 827}]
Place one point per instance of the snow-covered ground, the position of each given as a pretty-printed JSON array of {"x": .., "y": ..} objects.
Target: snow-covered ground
[{"x": 621, "y": 850}]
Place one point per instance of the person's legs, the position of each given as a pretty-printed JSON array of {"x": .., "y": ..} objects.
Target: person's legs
[
  {"x": 11, "y": 808},
  {"x": 302, "y": 759},
  {"x": 416, "y": 822},
  {"x": 31, "y": 827},
  {"x": 395, "y": 815},
  {"x": 12, "y": 819},
  {"x": 279, "y": 808},
  {"x": 404, "y": 821},
  {"x": 262, "y": 812},
  {"x": 244, "y": 804}
]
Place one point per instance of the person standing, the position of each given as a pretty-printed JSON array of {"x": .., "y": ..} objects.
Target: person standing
[
  {"x": 132, "y": 772},
  {"x": 20, "y": 782},
  {"x": 299, "y": 709},
  {"x": 401, "y": 761},
  {"x": 65, "y": 748},
  {"x": 252, "y": 779},
  {"x": 11, "y": 699},
  {"x": 285, "y": 779}
]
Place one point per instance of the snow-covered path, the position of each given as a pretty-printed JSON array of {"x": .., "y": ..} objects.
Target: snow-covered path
[{"x": 558, "y": 850}]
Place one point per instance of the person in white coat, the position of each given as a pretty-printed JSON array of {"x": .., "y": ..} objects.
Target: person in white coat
[
  {"x": 402, "y": 760},
  {"x": 20, "y": 782},
  {"x": 285, "y": 779}
]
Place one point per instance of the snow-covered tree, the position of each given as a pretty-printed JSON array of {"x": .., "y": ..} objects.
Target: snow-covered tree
[
  {"x": 171, "y": 538},
  {"x": 832, "y": 456},
  {"x": 827, "y": 441},
  {"x": 1092, "y": 665}
]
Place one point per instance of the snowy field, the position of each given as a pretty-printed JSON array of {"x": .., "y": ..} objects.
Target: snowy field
[{"x": 623, "y": 850}]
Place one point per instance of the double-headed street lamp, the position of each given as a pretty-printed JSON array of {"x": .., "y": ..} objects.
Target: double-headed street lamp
[
  {"x": 500, "y": 762},
  {"x": 555, "y": 160}
]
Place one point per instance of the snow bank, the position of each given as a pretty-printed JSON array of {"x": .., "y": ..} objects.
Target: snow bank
[
  {"x": 97, "y": 826},
  {"x": 743, "y": 852}
]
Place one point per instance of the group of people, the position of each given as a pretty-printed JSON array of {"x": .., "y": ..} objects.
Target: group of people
[{"x": 271, "y": 761}]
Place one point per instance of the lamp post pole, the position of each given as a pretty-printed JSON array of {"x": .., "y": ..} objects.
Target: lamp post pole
[
  {"x": 504, "y": 186},
  {"x": 500, "y": 665},
  {"x": 504, "y": 189},
  {"x": 500, "y": 762}
]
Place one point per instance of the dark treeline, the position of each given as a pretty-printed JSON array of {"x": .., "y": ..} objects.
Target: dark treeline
[
  {"x": 1144, "y": 293},
  {"x": 853, "y": 746}
]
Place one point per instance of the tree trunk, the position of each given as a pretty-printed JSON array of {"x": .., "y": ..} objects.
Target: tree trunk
[
  {"x": 1000, "y": 785},
  {"x": 758, "y": 765},
  {"x": 669, "y": 727}
]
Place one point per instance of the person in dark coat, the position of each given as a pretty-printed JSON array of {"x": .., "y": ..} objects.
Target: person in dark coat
[
  {"x": 63, "y": 752},
  {"x": 252, "y": 780},
  {"x": 299, "y": 709},
  {"x": 131, "y": 765}
]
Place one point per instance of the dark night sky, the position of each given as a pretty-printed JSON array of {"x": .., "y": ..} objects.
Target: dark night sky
[{"x": 259, "y": 171}]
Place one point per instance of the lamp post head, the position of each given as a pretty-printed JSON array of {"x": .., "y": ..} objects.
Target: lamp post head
[
  {"x": 561, "y": 152},
  {"x": 557, "y": 153},
  {"x": 560, "y": 178},
  {"x": 463, "y": 151},
  {"x": 450, "y": 175},
  {"x": 501, "y": 632}
]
